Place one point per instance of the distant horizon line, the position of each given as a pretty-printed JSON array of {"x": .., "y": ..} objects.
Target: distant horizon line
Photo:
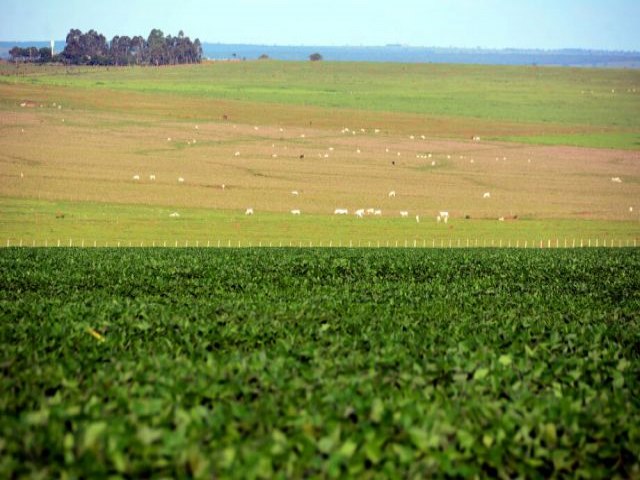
[{"x": 387, "y": 45}]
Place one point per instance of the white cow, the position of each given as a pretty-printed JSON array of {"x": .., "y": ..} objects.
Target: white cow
[
  {"x": 377, "y": 212},
  {"x": 249, "y": 211},
  {"x": 444, "y": 216},
  {"x": 180, "y": 180},
  {"x": 152, "y": 177},
  {"x": 616, "y": 179},
  {"x": 404, "y": 214},
  {"x": 392, "y": 193},
  {"x": 486, "y": 195},
  {"x": 341, "y": 211},
  {"x": 370, "y": 211},
  {"x": 295, "y": 193},
  {"x": 174, "y": 215},
  {"x": 418, "y": 218},
  {"x": 360, "y": 213},
  {"x": 295, "y": 212},
  {"x": 136, "y": 177}
]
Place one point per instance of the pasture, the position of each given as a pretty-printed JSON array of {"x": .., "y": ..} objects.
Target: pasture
[{"x": 342, "y": 135}]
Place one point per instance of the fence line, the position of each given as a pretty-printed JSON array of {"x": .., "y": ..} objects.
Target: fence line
[{"x": 449, "y": 243}]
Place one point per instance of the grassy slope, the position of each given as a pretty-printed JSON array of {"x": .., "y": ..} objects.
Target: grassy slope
[
  {"x": 395, "y": 364},
  {"x": 574, "y": 102}
]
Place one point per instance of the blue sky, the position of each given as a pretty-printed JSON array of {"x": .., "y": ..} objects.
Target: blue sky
[{"x": 546, "y": 24}]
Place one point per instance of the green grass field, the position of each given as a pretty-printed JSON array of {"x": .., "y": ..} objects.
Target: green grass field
[
  {"x": 577, "y": 102},
  {"x": 294, "y": 363},
  {"x": 33, "y": 222}
]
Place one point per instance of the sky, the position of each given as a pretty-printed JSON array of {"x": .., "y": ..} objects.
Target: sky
[{"x": 540, "y": 24}]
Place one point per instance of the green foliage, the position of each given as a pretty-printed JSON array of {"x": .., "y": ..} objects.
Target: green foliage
[{"x": 319, "y": 363}]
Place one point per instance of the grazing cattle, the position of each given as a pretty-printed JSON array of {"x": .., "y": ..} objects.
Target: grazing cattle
[
  {"x": 341, "y": 211},
  {"x": 404, "y": 214},
  {"x": 301, "y": 156},
  {"x": 152, "y": 177},
  {"x": 377, "y": 212},
  {"x": 168, "y": 139},
  {"x": 501, "y": 219},
  {"x": 475, "y": 138},
  {"x": 377, "y": 130},
  {"x": 358, "y": 150},
  {"x": 444, "y": 216},
  {"x": 223, "y": 186},
  {"x": 411, "y": 137},
  {"x": 196, "y": 127},
  {"x": 295, "y": 211},
  {"x": 392, "y": 193},
  {"x": 486, "y": 195},
  {"x": 370, "y": 211},
  {"x": 180, "y": 180},
  {"x": 433, "y": 163},
  {"x": 417, "y": 218},
  {"x": 237, "y": 154},
  {"x": 294, "y": 193},
  {"x": 616, "y": 179},
  {"x": 249, "y": 211},
  {"x": 225, "y": 117},
  {"x": 174, "y": 215},
  {"x": 630, "y": 209},
  {"x": 274, "y": 155},
  {"x": 360, "y": 213},
  {"x": 136, "y": 177}
]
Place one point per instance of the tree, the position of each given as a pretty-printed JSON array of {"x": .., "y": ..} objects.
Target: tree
[
  {"x": 315, "y": 57},
  {"x": 44, "y": 54},
  {"x": 156, "y": 46},
  {"x": 264, "y": 56},
  {"x": 92, "y": 48}
]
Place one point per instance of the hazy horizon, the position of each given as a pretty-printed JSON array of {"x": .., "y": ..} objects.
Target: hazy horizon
[{"x": 464, "y": 24}]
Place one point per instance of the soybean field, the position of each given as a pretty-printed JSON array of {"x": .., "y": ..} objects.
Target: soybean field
[{"x": 375, "y": 363}]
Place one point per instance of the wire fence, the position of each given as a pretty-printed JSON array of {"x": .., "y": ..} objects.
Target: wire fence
[{"x": 406, "y": 243}]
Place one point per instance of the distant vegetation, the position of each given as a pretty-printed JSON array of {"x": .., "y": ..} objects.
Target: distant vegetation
[
  {"x": 92, "y": 48},
  {"x": 315, "y": 57}
]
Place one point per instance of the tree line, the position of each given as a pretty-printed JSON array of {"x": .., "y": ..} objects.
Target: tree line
[{"x": 92, "y": 48}]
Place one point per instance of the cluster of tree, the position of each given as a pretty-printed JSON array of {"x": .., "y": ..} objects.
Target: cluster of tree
[
  {"x": 92, "y": 48},
  {"x": 31, "y": 54}
]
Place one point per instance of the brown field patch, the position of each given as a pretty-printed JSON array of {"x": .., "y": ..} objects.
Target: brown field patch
[{"x": 91, "y": 148}]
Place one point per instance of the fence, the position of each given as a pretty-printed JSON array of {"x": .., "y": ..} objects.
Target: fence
[{"x": 413, "y": 243}]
